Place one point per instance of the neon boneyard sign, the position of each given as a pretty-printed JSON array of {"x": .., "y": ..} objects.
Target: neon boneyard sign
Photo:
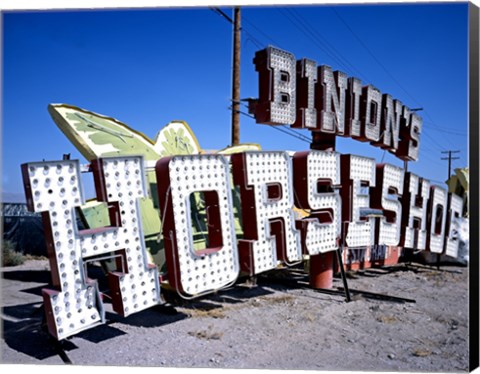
[
  {"x": 299, "y": 94},
  {"x": 334, "y": 189},
  {"x": 54, "y": 189}
]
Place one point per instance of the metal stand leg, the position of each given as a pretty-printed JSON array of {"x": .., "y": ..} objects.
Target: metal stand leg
[{"x": 342, "y": 272}]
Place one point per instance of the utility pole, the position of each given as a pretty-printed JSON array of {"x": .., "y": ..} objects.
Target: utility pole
[
  {"x": 236, "y": 78},
  {"x": 450, "y": 158}
]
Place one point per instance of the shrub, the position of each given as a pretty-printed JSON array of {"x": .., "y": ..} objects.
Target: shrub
[{"x": 10, "y": 257}]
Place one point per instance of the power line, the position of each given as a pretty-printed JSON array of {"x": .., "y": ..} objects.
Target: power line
[
  {"x": 373, "y": 55},
  {"x": 433, "y": 141},
  {"x": 435, "y": 161},
  {"x": 305, "y": 27},
  {"x": 444, "y": 129},
  {"x": 283, "y": 128},
  {"x": 249, "y": 35},
  {"x": 434, "y": 180},
  {"x": 222, "y": 14},
  {"x": 424, "y": 148},
  {"x": 302, "y": 24},
  {"x": 393, "y": 78},
  {"x": 261, "y": 32}
]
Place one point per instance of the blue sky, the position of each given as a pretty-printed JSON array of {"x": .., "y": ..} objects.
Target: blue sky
[{"x": 148, "y": 67}]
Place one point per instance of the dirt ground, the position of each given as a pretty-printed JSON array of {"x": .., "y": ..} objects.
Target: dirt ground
[{"x": 277, "y": 322}]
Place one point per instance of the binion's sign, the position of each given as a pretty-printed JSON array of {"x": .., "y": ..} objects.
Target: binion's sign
[
  {"x": 265, "y": 189},
  {"x": 328, "y": 103}
]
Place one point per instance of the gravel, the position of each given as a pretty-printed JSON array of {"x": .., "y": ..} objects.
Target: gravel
[{"x": 272, "y": 322}]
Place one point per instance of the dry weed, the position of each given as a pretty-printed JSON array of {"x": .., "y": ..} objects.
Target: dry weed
[
  {"x": 207, "y": 334},
  {"x": 422, "y": 352},
  {"x": 387, "y": 319},
  {"x": 207, "y": 313},
  {"x": 283, "y": 299}
]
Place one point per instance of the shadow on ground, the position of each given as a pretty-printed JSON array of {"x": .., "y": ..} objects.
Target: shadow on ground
[
  {"x": 24, "y": 324},
  {"x": 23, "y": 331},
  {"x": 36, "y": 276}
]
